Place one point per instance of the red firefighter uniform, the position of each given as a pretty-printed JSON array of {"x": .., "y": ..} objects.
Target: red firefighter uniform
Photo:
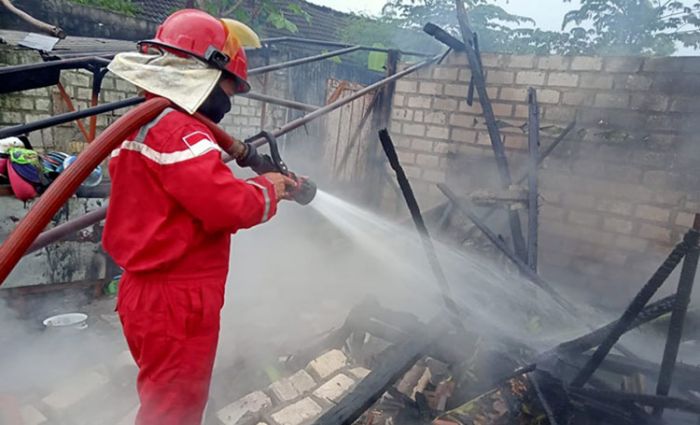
[{"x": 174, "y": 205}]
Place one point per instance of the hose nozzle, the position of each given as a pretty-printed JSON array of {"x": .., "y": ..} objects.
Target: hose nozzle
[{"x": 305, "y": 190}]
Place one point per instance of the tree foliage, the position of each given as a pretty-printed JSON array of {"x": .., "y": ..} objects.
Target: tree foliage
[
  {"x": 493, "y": 24},
  {"x": 599, "y": 27},
  {"x": 255, "y": 13},
  {"x": 638, "y": 27},
  {"x": 126, "y": 7}
]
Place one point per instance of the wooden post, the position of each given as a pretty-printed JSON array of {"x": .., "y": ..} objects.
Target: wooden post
[
  {"x": 381, "y": 118},
  {"x": 533, "y": 194},
  {"x": 675, "y": 329},
  {"x": 494, "y": 132}
]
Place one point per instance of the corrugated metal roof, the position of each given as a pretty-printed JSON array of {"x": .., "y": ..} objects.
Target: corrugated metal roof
[
  {"x": 324, "y": 23},
  {"x": 74, "y": 45},
  {"x": 157, "y": 10}
]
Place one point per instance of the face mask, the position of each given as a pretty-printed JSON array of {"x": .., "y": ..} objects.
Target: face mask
[{"x": 216, "y": 105}]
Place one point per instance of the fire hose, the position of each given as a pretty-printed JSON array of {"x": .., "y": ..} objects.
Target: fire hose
[
  {"x": 39, "y": 216},
  {"x": 19, "y": 243}
]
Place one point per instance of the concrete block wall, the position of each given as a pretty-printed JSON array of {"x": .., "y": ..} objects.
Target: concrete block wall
[
  {"x": 616, "y": 195},
  {"x": 244, "y": 120},
  {"x": 84, "y": 260},
  {"x": 79, "y": 258},
  {"x": 32, "y": 105}
]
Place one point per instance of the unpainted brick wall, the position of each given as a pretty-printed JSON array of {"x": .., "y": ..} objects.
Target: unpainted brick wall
[
  {"x": 244, "y": 120},
  {"x": 616, "y": 194},
  {"x": 23, "y": 107},
  {"x": 32, "y": 105}
]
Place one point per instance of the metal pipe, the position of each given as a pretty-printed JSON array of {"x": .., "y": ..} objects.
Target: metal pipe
[
  {"x": 301, "y": 61},
  {"x": 633, "y": 310},
  {"x": 533, "y": 139},
  {"x": 292, "y": 125},
  {"x": 60, "y": 119},
  {"x": 675, "y": 328},
  {"x": 524, "y": 268},
  {"x": 17, "y": 130},
  {"x": 335, "y": 44},
  {"x": 281, "y": 102},
  {"x": 28, "y": 229},
  {"x": 101, "y": 213},
  {"x": 67, "y": 229},
  {"x": 81, "y": 62}
]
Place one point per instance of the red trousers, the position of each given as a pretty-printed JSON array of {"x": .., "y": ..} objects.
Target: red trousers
[{"x": 172, "y": 329}]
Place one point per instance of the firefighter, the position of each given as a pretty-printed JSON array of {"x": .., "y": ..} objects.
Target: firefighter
[{"x": 173, "y": 206}]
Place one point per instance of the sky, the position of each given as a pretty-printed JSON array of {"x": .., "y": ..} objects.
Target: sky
[{"x": 548, "y": 13}]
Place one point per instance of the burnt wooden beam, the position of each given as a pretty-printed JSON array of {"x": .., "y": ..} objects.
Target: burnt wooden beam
[
  {"x": 367, "y": 316},
  {"x": 545, "y": 153},
  {"x": 393, "y": 363},
  {"x": 533, "y": 194},
  {"x": 522, "y": 266},
  {"x": 490, "y": 119},
  {"x": 452, "y": 308},
  {"x": 680, "y": 308},
  {"x": 662, "y": 402},
  {"x": 688, "y": 376},
  {"x": 586, "y": 342},
  {"x": 633, "y": 310}
]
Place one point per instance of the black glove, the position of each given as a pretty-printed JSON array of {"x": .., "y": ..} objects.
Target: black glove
[
  {"x": 260, "y": 163},
  {"x": 250, "y": 156}
]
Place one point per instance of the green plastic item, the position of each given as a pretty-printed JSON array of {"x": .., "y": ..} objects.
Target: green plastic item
[
  {"x": 113, "y": 286},
  {"x": 376, "y": 60}
]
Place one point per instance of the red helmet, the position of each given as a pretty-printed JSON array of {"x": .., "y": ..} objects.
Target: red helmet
[{"x": 196, "y": 33}]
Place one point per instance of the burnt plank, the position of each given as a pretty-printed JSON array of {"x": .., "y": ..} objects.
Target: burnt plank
[{"x": 395, "y": 362}]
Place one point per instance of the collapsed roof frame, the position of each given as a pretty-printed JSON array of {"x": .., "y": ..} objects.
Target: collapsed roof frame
[
  {"x": 95, "y": 63},
  {"x": 30, "y": 238}
]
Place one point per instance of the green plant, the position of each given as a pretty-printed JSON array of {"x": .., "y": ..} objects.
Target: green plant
[
  {"x": 597, "y": 27},
  {"x": 256, "y": 14},
  {"x": 127, "y": 7},
  {"x": 637, "y": 27}
]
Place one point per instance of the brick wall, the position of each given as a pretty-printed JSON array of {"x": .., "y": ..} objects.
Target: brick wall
[
  {"x": 616, "y": 195},
  {"x": 80, "y": 20},
  {"x": 74, "y": 260},
  {"x": 31, "y": 105}
]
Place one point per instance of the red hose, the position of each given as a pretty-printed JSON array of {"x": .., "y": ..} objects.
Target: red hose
[
  {"x": 109, "y": 140},
  {"x": 39, "y": 216}
]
